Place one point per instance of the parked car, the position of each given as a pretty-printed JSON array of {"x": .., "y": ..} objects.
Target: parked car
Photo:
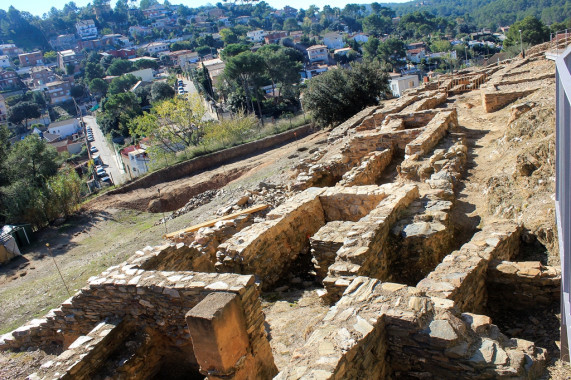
[
  {"x": 93, "y": 149},
  {"x": 106, "y": 180},
  {"x": 90, "y": 138},
  {"x": 101, "y": 172}
]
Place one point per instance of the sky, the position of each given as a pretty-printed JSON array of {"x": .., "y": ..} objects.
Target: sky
[{"x": 39, "y": 7}]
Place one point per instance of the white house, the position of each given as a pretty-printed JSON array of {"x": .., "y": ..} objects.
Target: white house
[
  {"x": 318, "y": 53},
  {"x": 64, "y": 128},
  {"x": 256, "y": 35},
  {"x": 146, "y": 75},
  {"x": 333, "y": 40},
  {"x": 5, "y": 61},
  {"x": 86, "y": 29},
  {"x": 399, "y": 83},
  {"x": 138, "y": 162},
  {"x": 157, "y": 47}
]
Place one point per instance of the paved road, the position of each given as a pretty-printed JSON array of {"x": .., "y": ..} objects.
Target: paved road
[
  {"x": 110, "y": 158},
  {"x": 189, "y": 86}
]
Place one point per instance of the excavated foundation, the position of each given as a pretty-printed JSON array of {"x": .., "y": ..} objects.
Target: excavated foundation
[{"x": 408, "y": 291}]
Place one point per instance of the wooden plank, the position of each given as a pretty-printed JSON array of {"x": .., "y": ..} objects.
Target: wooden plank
[{"x": 212, "y": 222}]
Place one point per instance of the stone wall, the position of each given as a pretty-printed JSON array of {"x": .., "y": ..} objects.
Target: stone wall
[
  {"x": 151, "y": 299},
  {"x": 452, "y": 160},
  {"x": 386, "y": 330},
  {"x": 84, "y": 357},
  {"x": 420, "y": 240},
  {"x": 341, "y": 130},
  {"x": 325, "y": 244},
  {"x": 461, "y": 276},
  {"x": 522, "y": 285},
  {"x": 371, "y": 168},
  {"x": 494, "y": 100},
  {"x": 268, "y": 248},
  {"x": 363, "y": 251},
  {"x": 432, "y": 133}
]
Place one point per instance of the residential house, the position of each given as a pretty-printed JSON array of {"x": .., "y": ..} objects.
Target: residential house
[
  {"x": 5, "y": 61},
  {"x": 275, "y": 37},
  {"x": 31, "y": 59},
  {"x": 123, "y": 53},
  {"x": 296, "y": 36},
  {"x": 416, "y": 55},
  {"x": 256, "y": 35},
  {"x": 225, "y": 21},
  {"x": 139, "y": 31},
  {"x": 184, "y": 58},
  {"x": 416, "y": 45},
  {"x": 146, "y": 75},
  {"x": 333, "y": 40},
  {"x": 361, "y": 37},
  {"x": 143, "y": 59},
  {"x": 215, "y": 68},
  {"x": 68, "y": 57},
  {"x": 64, "y": 41},
  {"x": 317, "y": 53},
  {"x": 3, "y": 111},
  {"x": 93, "y": 44},
  {"x": 156, "y": 47},
  {"x": 135, "y": 159},
  {"x": 163, "y": 23},
  {"x": 86, "y": 29},
  {"x": 9, "y": 80},
  {"x": 315, "y": 69},
  {"x": 64, "y": 128},
  {"x": 58, "y": 91},
  {"x": 342, "y": 52},
  {"x": 399, "y": 84},
  {"x": 41, "y": 75},
  {"x": 69, "y": 145},
  {"x": 156, "y": 11},
  {"x": 10, "y": 50},
  {"x": 243, "y": 20}
]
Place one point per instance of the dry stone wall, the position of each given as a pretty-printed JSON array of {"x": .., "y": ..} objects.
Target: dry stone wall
[
  {"x": 461, "y": 276},
  {"x": 386, "y": 330},
  {"x": 522, "y": 285}
]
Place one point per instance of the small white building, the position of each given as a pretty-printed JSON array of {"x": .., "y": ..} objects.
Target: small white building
[
  {"x": 157, "y": 47},
  {"x": 333, "y": 40},
  {"x": 86, "y": 29},
  {"x": 256, "y": 35},
  {"x": 5, "y": 61},
  {"x": 318, "y": 53},
  {"x": 64, "y": 128},
  {"x": 138, "y": 162},
  {"x": 399, "y": 84},
  {"x": 146, "y": 75}
]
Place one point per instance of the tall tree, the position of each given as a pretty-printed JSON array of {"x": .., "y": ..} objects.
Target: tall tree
[
  {"x": 22, "y": 112},
  {"x": 338, "y": 94},
  {"x": 246, "y": 68},
  {"x": 533, "y": 32}
]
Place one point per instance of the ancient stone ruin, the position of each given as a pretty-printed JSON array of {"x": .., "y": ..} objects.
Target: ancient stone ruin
[{"x": 372, "y": 219}]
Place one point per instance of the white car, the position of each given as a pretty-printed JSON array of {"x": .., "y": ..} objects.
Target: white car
[{"x": 93, "y": 149}]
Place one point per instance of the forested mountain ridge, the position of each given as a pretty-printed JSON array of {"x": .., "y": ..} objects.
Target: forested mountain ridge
[{"x": 491, "y": 13}]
